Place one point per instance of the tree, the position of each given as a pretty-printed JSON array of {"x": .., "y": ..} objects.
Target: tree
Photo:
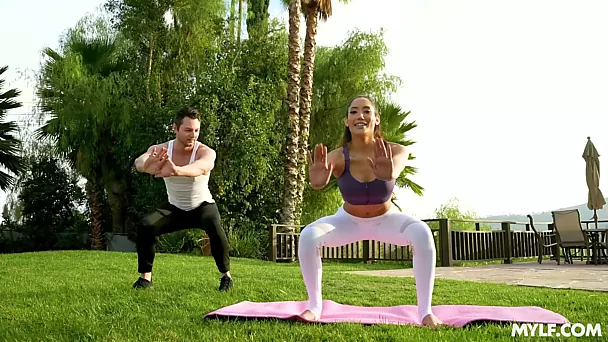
[
  {"x": 79, "y": 88},
  {"x": 49, "y": 198},
  {"x": 240, "y": 22},
  {"x": 395, "y": 129},
  {"x": 45, "y": 205},
  {"x": 451, "y": 210},
  {"x": 136, "y": 68},
  {"x": 290, "y": 194},
  {"x": 10, "y": 149},
  {"x": 232, "y": 17},
  {"x": 147, "y": 27},
  {"x": 244, "y": 122},
  {"x": 313, "y": 10},
  {"x": 257, "y": 18}
]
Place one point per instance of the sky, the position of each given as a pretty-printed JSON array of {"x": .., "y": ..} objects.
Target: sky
[{"x": 504, "y": 93}]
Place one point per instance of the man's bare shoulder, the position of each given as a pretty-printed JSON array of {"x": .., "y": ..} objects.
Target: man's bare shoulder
[
  {"x": 204, "y": 150},
  {"x": 158, "y": 146}
]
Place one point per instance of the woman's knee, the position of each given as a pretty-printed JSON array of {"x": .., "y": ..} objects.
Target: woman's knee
[
  {"x": 310, "y": 235},
  {"x": 421, "y": 236}
]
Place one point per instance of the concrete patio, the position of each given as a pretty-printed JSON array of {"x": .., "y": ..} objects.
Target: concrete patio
[{"x": 578, "y": 276}]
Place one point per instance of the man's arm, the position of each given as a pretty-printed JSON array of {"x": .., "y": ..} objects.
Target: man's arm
[
  {"x": 202, "y": 165},
  {"x": 140, "y": 162}
]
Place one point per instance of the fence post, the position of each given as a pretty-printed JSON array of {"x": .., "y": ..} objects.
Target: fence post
[
  {"x": 508, "y": 245},
  {"x": 445, "y": 243},
  {"x": 293, "y": 242},
  {"x": 272, "y": 253},
  {"x": 365, "y": 251}
]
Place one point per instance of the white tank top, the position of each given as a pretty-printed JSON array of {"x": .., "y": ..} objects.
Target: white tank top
[{"x": 187, "y": 193}]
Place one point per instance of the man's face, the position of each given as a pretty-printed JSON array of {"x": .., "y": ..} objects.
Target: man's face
[{"x": 188, "y": 131}]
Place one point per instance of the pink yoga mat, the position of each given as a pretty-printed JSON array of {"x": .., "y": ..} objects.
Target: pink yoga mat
[{"x": 453, "y": 315}]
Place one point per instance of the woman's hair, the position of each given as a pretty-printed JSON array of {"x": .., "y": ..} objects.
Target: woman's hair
[{"x": 377, "y": 129}]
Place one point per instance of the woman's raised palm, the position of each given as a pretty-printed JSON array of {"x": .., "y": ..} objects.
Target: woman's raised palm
[{"x": 319, "y": 170}]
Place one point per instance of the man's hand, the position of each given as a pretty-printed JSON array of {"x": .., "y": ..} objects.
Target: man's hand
[
  {"x": 202, "y": 165},
  {"x": 168, "y": 169},
  {"x": 155, "y": 162}
]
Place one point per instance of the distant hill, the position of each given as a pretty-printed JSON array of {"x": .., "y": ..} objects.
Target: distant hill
[{"x": 586, "y": 214}]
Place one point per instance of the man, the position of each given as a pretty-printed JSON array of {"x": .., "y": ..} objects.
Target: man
[{"x": 185, "y": 165}]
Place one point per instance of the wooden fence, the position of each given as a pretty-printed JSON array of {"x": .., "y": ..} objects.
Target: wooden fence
[{"x": 505, "y": 243}]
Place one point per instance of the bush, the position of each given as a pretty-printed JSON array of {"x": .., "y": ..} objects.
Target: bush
[
  {"x": 183, "y": 241},
  {"x": 246, "y": 243}
]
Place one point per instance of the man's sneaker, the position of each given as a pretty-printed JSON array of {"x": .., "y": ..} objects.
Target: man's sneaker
[
  {"x": 225, "y": 283},
  {"x": 142, "y": 283}
]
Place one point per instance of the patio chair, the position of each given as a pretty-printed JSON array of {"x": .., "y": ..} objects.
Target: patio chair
[
  {"x": 603, "y": 248},
  {"x": 570, "y": 235},
  {"x": 541, "y": 243}
]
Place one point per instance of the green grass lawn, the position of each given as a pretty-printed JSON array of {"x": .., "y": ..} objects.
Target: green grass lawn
[{"x": 87, "y": 296}]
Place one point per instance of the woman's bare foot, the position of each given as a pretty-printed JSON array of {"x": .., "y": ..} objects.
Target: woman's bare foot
[
  {"x": 431, "y": 321},
  {"x": 308, "y": 315}
]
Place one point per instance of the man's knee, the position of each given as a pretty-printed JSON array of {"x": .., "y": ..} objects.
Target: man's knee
[
  {"x": 154, "y": 219},
  {"x": 215, "y": 232},
  {"x": 149, "y": 226}
]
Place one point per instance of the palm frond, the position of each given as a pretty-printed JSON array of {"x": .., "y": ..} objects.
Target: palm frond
[
  {"x": 395, "y": 129},
  {"x": 7, "y": 99},
  {"x": 10, "y": 145},
  {"x": 324, "y": 7},
  {"x": 404, "y": 182}
]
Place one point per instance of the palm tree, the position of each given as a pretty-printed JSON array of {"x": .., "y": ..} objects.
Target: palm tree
[
  {"x": 257, "y": 18},
  {"x": 97, "y": 59},
  {"x": 290, "y": 196},
  {"x": 232, "y": 15},
  {"x": 240, "y": 22},
  {"x": 10, "y": 145},
  {"x": 313, "y": 10},
  {"x": 395, "y": 129}
]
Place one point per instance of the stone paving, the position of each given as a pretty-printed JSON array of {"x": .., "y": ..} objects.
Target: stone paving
[{"x": 578, "y": 276}]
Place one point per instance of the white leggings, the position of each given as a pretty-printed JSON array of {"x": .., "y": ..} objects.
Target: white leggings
[{"x": 392, "y": 227}]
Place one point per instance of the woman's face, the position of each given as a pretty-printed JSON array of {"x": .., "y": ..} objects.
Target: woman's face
[{"x": 362, "y": 118}]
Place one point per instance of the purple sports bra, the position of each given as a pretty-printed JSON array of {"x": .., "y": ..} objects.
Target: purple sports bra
[{"x": 357, "y": 193}]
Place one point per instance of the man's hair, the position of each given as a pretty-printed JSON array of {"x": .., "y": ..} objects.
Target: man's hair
[{"x": 189, "y": 112}]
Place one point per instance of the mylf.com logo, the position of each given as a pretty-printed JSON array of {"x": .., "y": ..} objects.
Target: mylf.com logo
[{"x": 566, "y": 330}]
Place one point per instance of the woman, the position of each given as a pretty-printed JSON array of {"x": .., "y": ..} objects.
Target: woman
[{"x": 366, "y": 168}]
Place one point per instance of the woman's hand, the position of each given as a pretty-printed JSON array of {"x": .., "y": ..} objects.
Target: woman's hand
[{"x": 320, "y": 169}]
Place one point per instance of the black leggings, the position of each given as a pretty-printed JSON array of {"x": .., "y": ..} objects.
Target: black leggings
[{"x": 168, "y": 218}]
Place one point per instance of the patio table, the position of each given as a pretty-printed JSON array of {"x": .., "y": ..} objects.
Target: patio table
[{"x": 594, "y": 235}]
